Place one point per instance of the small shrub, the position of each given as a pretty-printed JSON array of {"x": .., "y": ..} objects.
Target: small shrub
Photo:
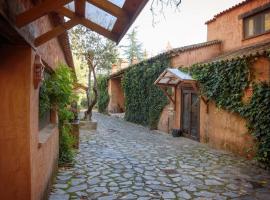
[
  {"x": 84, "y": 102},
  {"x": 66, "y": 141}
]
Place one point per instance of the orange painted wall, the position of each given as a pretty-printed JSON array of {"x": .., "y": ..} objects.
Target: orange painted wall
[
  {"x": 43, "y": 156},
  {"x": 25, "y": 167},
  {"x": 116, "y": 93},
  {"x": 229, "y": 29},
  {"x": 186, "y": 59},
  {"x": 191, "y": 57},
  {"x": 222, "y": 129},
  {"x": 15, "y": 84}
]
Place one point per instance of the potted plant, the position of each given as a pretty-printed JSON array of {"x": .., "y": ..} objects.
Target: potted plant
[{"x": 176, "y": 132}]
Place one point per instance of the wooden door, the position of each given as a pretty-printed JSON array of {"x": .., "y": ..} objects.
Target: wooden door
[{"x": 190, "y": 113}]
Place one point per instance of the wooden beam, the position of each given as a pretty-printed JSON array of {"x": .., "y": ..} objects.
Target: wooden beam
[
  {"x": 167, "y": 94},
  {"x": 110, "y": 8},
  {"x": 38, "y": 11},
  {"x": 89, "y": 24},
  {"x": 55, "y": 32},
  {"x": 80, "y": 8}
]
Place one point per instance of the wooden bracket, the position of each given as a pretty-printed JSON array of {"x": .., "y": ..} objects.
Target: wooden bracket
[{"x": 168, "y": 95}]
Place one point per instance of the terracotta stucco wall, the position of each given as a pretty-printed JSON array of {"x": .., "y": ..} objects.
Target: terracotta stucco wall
[
  {"x": 222, "y": 129},
  {"x": 25, "y": 166},
  {"x": 186, "y": 59},
  {"x": 229, "y": 28},
  {"x": 116, "y": 93},
  {"x": 15, "y": 84},
  {"x": 191, "y": 57},
  {"x": 44, "y": 152}
]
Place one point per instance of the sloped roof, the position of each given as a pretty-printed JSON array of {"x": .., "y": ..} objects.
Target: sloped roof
[
  {"x": 228, "y": 10},
  {"x": 173, "y": 77},
  {"x": 248, "y": 51},
  {"x": 172, "y": 53}
]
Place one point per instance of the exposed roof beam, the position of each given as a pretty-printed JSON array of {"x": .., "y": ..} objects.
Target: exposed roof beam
[
  {"x": 80, "y": 8},
  {"x": 87, "y": 23},
  {"x": 38, "y": 11},
  {"x": 110, "y": 8},
  {"x": 56, "y": 32}
]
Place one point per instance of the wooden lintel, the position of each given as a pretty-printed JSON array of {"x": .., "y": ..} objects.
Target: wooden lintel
[
  {"x": 110, "y": 8},
  {"x": 194, "y": 85},
  {"x": 55, "y": 32},
  {"x": 38, "y": 11},
  {"x": 80, "y": 8},
  {"x": 87, "y": 23}
]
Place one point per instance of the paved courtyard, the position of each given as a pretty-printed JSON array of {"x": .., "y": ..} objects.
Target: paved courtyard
[{"x": 125, "y": 161}]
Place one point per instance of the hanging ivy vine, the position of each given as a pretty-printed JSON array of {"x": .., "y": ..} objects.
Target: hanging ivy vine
[
  {"x": 144, "y": 101},
  {"x": 224, "y": 83}
]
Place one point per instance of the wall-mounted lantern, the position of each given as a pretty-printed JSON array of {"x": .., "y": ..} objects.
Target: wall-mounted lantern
[{"x": 38, "y": 71}]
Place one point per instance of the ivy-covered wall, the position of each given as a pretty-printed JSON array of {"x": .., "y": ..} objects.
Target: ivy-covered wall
[
  {"x": 103, "y": 96},
  {"x": 144, "y": 101},
  {"x": 225, "y": 82}
]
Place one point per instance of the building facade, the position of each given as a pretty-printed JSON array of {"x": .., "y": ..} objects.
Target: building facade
[
  {"x": 28, "y": 155},
  {"x": 241, "y": 30}
]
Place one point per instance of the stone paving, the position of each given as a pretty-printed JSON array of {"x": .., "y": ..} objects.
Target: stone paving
[{"x": 125, "y": 161}]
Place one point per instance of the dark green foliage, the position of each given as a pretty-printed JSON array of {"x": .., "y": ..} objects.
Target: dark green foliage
[
  {"x": 44, "y": 100},
  {"x": 257, "y": 112},
  {"x": 144, "y": 101},
  {"x": 57, "y": 91},
  {"x": 84, "y": 102},
  {"x": 134, "y": 48},
  {"x": 66, "y": 141},
  {"x": 224, "y": 83},
  {"x": 103, "y": 95}
]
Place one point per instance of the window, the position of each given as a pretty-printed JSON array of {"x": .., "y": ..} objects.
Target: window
[{"x": 257, "y": 24}]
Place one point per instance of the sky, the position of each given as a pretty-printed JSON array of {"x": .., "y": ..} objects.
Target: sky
[{"x": 182, "y": 27}]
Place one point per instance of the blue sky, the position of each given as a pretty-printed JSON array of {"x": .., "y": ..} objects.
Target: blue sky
[{"x": 179, "y": 28}]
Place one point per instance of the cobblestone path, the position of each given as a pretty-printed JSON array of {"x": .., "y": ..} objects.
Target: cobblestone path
[{"x": 125, "y": 161}]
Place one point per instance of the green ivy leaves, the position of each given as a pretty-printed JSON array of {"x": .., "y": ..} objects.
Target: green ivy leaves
[
  {"x": 103, "y": 96},
  {"x": 144, "y": 101},
  {"x": 224, "y": 82}
]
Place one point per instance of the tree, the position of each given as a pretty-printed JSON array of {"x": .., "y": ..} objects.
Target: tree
[
  {"x": 157, "y": 7},
  {"x": 133, "y": 51},
  {"x": 97, "y": 54}
]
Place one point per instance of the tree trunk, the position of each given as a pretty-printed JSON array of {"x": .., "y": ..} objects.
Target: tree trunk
[{"x": 91, "y": 100}]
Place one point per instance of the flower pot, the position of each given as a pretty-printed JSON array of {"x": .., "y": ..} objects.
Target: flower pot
[{"x": 176, "y": 133}]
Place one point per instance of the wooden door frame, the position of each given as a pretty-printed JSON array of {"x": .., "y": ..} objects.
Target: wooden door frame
[{"x": 191, "y": 90}]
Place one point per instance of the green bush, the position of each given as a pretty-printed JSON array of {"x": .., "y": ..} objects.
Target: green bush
[
  {"x": 84, "y": 102},
  {"x": 103, "y": 95},
  {"x": 224, "y": 82},
  {"x": 57, "y": 92},
  {"x": 144, "y": 101},
  {"x": 66, "y": 141}
]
